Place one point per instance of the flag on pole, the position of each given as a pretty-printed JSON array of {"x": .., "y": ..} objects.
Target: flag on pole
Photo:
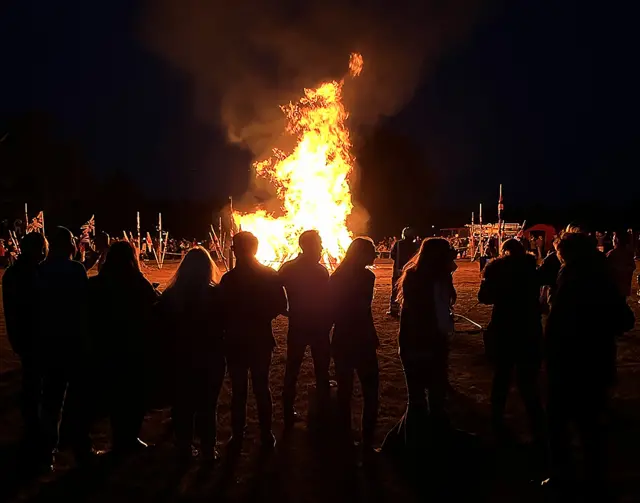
[
  {"x": 500, "y": 205},
  {"x": 37, "y": 224},
  {"x": 88, "y": 228}
]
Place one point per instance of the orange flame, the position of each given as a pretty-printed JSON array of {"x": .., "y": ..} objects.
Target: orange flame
[{"x": 312, "y": 181}]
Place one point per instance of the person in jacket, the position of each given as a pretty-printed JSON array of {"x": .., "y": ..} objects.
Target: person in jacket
[
  {"x": 355, "y": 341},
  {"x": 511, "y": 284},
  {"x": 621, "y": 262},
  {"x": 21, "y": 299},
  {"x": 65, "y": 348},
  {"x": 252, "y": 297},
  {"x": 191, "y": 318},
  {"x": 306, "y": 282},
  {"x": 426, "y": 295},
  {"x": 122, "y": 300},
  {"x": 587, "y": 312},
  {"x": 401, "y": 253}
]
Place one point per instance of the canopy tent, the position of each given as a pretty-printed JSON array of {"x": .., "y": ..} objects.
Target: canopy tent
[{"x": 548, "y": 231}]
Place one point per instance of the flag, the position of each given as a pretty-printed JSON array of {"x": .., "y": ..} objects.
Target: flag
[
  {"x": 88, "y": 228},
  {"x": 36, "y": 224}
]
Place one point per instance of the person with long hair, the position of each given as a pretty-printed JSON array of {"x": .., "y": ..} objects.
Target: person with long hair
[
  {"x": 253, "y": 297},
  {"x": 426, "y": 295},
  {"x": 355, "y": 341},
  {"x": 190, "y": 313},
  {"x": 511, "y": 284},
  {"x": 122, "y": 300},
  {"x": 21, "y": 298}
]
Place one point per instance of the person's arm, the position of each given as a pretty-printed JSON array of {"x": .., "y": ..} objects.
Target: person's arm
[
  {"x": 394, "y": 251},
  {"x": 11, "y": 313},
  {"x": 282, "y": 277},
  {"x": 279, "y": 299},
  {"x": 488, "y": 287}
]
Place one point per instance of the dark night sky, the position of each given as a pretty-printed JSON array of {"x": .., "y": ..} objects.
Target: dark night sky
[{"x": 539, "y": 95}]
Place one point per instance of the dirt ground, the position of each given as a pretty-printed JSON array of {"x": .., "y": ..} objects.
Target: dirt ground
[{"x": 312, "y": 467}]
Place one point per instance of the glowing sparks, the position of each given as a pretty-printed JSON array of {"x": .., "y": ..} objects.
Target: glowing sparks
[
  {"x": 312, "y": 181},
  {"x": 355, "y": 64}
]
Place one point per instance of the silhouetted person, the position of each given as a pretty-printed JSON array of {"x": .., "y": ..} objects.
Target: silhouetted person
[
  {"x": 21, "y": 299},
  {"x": 253, "y": 297},
  {"x": 426, "y": 295},
  {"x": 511, "y": 285},
  {"x": 401, "y": 252},
  {"x": 621, "y": 262},
  {"x": 548, "y": 275},
  {"x": 96, "y": 255},
  {"x": 65, "y": 346},
  {"x": 121, "y": 299},
  {"x": 355, "y": 340},
  {"x": 586, "y": 314},
  {"x": 190, "y": 312},
  {"x": 306, "y": 282}
]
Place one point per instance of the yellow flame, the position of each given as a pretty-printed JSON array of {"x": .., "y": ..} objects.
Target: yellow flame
[
  {"x": 355, "y": 64},
  {"x": 312, "y": 181}
]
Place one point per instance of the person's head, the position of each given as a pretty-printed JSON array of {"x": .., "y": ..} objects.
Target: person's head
[
  {"x": 435, "y": 259},
  {"x": 621, "y": 239},
  {"x": 360, "y": 254},
  {"x": 512, "y": 247},
  {"x": 245, "y": 246},
  {"x": 311, "y": 244},
  {"x": 196, "y": 271},
  {"x": 62, "y": 244},
  {"x": 576, "y": 228},
  {"x": 102, "y": 241},
  {"x": 33, "y": 247},
  {"x": 574, "y": 247},
  {"x": 408, "y": 233},
  {"x": 121, "y": 260}
]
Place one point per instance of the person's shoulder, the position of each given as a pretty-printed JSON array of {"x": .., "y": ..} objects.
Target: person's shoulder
[
  {"x": 495, "y": 265},
  {"x": 530, "y": 260},
  {"x": 77, "y": 267},
  {"x": 267, "y": 271},
  {"x": 287, "y": 267}
]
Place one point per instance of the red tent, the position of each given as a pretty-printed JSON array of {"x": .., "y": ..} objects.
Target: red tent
[{"x": 549, "y": 231}]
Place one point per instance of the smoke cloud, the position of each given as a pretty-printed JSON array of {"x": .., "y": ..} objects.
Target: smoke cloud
[{"x": 247, "y": 57}]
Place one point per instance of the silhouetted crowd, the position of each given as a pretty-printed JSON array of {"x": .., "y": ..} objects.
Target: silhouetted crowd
[{"x": 112, "y": 345}]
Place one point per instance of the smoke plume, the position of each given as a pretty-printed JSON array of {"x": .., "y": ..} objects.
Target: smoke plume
[{"x": 247, "y": 57}]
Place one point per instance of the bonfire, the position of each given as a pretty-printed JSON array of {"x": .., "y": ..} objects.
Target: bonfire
[{"x": 312, "y": 182}]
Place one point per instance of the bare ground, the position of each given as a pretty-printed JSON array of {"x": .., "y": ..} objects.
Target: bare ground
[{"x": 312, "y": 467}]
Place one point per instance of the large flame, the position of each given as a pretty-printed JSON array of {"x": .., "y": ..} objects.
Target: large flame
[{"x": 312, "y": 181}]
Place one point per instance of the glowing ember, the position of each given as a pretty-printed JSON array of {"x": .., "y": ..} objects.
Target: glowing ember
[{"x": 312, "y": 181}]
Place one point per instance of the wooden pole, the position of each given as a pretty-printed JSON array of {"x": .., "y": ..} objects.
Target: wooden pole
[
  {"x": 231, "y": 228},
  {"x": 159, "y": 254},
  {"x": 138, "y": 229}
]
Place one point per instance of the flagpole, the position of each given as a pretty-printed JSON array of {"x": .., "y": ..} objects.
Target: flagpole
[
  {"x": 232, "y": 223},
  {"x": 138, "y": 229},
  {"x": 26, "y": 218},
  {"x": 480, "y": 222},
  {"x": 160, "y": 240},
  {"x": 471, "y": 238},
  {"x": 500, "y": 209}
]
